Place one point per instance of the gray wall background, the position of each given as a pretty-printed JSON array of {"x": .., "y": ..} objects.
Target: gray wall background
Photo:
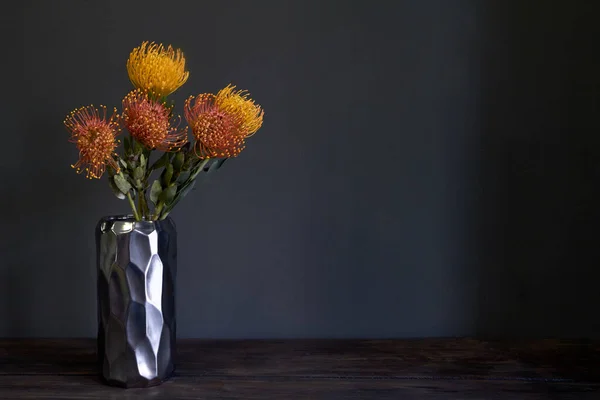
[{"x": 426, "y": 167}]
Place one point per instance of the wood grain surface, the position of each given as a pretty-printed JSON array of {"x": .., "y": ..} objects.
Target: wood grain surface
[{"x": 318, "y": 369}]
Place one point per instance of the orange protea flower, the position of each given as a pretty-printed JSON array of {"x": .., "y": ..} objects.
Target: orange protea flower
[
  {"x": 222, "y": 123},
  {"x": 158, "y": 69},
  {"x": 149, "y": 122},
  {"x": 216, "y": 132},
  {"x": 94, "y": 136}
]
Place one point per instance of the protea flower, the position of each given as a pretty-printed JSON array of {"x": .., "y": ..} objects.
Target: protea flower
[
  {"x": 157, "y": 69},
  {"x": 94, "y": 136},
  {"x": 222, "y": 123},
  {"x": 237, "y": 103},
  {"x": 149, "y": 121}
]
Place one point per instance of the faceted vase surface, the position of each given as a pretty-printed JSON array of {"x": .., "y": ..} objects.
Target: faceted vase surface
[{"x": 136, "y": 272}]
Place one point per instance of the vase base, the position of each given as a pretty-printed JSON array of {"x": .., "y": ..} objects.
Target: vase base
[{"x": 137, "y": 383}]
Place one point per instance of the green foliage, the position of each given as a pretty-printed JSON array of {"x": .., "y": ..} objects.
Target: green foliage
[
  {"x": 137, "y": 147},
  {"x": 155, "y": 191},
  {"x": 115, "y": 189},
  {"x": 161, "y": 162},
  {"x": 180, "y": 171},
  {"x": 167, "y": 195},
  {"x": 178, "y": 161},
  {"x": 138, "y": 173},
  {"x": 166, "y": 175},
  {"x": 122, "y": 184}
]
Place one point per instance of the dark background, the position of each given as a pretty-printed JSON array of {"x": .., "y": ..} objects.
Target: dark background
[{"x": 426, "y": 167}]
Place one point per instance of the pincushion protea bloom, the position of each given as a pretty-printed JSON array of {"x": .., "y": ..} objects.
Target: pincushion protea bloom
[
  {"x": 94, "y": 136},
  {"x": 149, "y": 122},
  {"x": 157, "y": 69},
  {"x": 222, "y": 123},
  {"x": 249, "y": 114}
]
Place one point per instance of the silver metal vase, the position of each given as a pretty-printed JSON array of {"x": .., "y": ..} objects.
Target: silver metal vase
[{"x": 137, "y": 264}]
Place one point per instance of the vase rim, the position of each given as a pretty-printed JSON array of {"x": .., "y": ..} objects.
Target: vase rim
[{"x": 129, "y": 218}]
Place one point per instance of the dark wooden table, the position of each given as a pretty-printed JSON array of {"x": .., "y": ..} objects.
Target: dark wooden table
[{"x": 318, "y": 369}]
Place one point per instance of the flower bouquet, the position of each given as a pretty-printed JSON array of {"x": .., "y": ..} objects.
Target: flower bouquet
[{"x": 155, "y": 168}]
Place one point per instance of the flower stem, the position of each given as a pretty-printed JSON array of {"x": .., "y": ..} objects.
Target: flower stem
[
  {"x": 148, "y": 154},
  {"x": 145, "y": 204},
  {"x": 140, "y": 204},
  {"x": 132, "y": 204},
  {"x": 158, "y": 210}
]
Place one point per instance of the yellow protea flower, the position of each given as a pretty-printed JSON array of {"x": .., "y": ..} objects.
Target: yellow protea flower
[
  {"x": 237, "y": 103},
  {"x": 157, "y": 69}
]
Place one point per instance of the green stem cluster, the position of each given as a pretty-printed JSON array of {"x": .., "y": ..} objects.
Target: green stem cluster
[{"x": 179, "y": 172}]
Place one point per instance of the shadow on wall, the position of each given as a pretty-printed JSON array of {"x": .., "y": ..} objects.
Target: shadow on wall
[{"x": 538, "y": 206}]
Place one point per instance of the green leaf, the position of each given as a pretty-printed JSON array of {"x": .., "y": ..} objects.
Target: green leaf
[
  {"x": 168, "y": 194},
  {"x": 143, "y": 160},
  {"x": 218, "y": 164},
  {"x": 190, "y": 156},
  {"x": 185, "y": 190},
  {"x": 122, "y": 183},
  {"x": 167, "y": 175},
  {"x": 115, "y": 189},
  {"x": 127, "y": 145},
  {"x": 178, "y": 161},
  {"x": 155, "y": 191},
  {"x": 161, "y": 162},
  {"x": 196, "y": 170},
  {"x": 123, "y": 163},
  {"x": 137, "y": 147},
  {"x": 138, "y": 173},
  {"x": 183, "y": 177}
]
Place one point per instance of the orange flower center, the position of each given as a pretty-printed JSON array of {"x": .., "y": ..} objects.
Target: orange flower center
[
  {"x": 96, "y": 144},
  {"x": 216, "y": 135},
  {"x": 148, "y": 123}
]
